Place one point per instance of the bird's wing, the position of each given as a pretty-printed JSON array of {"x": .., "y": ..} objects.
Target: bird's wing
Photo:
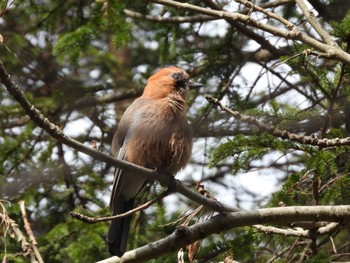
[
  {"x": 117, "y": 181},
  {"x": 120, "y": 141}
]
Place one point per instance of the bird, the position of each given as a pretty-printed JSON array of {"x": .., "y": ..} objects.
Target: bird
[{"x": 154, "y": 133}]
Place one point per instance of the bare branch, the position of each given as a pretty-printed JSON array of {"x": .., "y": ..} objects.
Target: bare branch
[
  {"x": 30, "y": 233},
  {"x": 293, "y": 33},
  {"x": 230, "y": 16},
  {"x": 315, "y": 24},
  {"x": 198, "y": 18},
  {"x": 93, "y": 220},
  {"x": 280, "y": 215},
  {"x": 262, "y": 10},
  {"x": 175, "y": 20},
  {"x": 297, "y": 232},
  {"x": 270, "y": 4},
  {"x": 281, "y": 231}
]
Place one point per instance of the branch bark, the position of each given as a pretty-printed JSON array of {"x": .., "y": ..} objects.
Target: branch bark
[
  {"x": 292, "y": 31},
  {"x": 315, "y": 24},
  {"x": 30, "y": 233},
  {"x": 280, "y": 216},
  {"x": 175, "y": 20}
]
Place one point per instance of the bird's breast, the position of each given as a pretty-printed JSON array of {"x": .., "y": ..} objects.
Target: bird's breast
[{"x": 161, "y": 140}]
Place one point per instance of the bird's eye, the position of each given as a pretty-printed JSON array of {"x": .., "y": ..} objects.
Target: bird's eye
[
  {"x": 175, "y": 75},
  {"x": 180, "y": 80}
]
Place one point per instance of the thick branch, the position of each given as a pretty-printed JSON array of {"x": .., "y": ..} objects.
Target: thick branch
[
  {"x": 292, "y": 33},
  {"x": 280, "y": 215},
  {"x": 315, "y": 24}
]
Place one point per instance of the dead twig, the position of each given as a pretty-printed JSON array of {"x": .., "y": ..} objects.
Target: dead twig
[
  {"x": 28, "y": 228},
  {"x": 93, "y": 220}
]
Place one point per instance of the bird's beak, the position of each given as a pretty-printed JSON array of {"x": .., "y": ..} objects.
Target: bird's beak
[{"x": 194, "y": 85}]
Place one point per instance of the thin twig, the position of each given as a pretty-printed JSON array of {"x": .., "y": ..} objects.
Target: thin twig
[
  {"x": 174, "y": 19},
  {"x": 30, "y": 233},
  {"x": 5, "y": 7},
  {"x": 270, "y": 4},
  {"x": 93, "y": 220},
  {"x": 281, "y": 231},
  {"x": 328, "y": 228},
  {"x": 297, "y": 232}
]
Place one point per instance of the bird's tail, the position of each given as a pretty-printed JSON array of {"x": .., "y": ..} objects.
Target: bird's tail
[{"x": 118, "y": 232}]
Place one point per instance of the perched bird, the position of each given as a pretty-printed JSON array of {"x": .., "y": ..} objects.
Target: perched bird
[{"x": 153, "y": 133}]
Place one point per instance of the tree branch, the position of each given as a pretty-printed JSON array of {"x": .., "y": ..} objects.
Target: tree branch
[
  {"x": 175, "y": 20},
  {"x": 30, "y": 233},
  {"x": 262, "y": 10},
  {"x": 279, "y": 215},
  {"x": 315, "y": 24},
  {"x": 283, "y": 134},
  {"x": 7, "y": 224},
  {"x": 93, "y": 220},
  {"x": 297, "y": 232},
  {"x": 261, "y": 40},
  {"x": 293, "y": 33}
]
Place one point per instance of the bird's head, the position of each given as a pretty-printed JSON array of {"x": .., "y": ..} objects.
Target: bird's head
[{"x": 170, "y": 81}]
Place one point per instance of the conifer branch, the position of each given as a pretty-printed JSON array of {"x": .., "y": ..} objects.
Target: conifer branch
[{"x": 283, "y": 134}]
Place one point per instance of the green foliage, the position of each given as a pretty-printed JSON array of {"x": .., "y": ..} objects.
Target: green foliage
[
  {"x": 289, "y": 193},
  {"x": 342, "y": 28},
  {"x": 320, "y": 258},
  {"x": 73, "y": 43},
  {"x": 245, "y": 149},
  {"x": 338, "y": 192},
  {"x": 245, "y": 237},
  {"x": 68, "y": 242},
  {"x": 289, "y": 11},
  {"x": 322, "y": 162},
  {"x": 109, "y": 18}
]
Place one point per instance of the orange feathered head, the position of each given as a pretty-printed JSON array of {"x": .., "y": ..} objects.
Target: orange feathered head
[{"x": 169, "y": 81}]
